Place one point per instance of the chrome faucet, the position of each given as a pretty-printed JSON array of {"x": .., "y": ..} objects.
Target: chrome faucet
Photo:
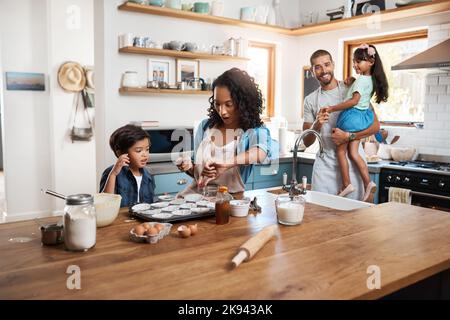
[{"x": 292, "y": 188}]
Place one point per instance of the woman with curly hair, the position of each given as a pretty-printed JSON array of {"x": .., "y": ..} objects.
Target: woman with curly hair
[{"x": 232, "y": 139}]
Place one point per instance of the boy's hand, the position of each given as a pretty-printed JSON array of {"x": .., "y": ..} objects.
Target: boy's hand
[
  {"x": 121, "y": 162},
  {"x": 184, "y": 164},
  {"x": 349, "y": 81}
]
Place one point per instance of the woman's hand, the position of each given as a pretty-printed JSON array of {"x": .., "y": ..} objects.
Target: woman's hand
[
  {"x": 184, "y": 164},
  {"x": 212, "y": 171},
  {"x": 121, "y": 162}
]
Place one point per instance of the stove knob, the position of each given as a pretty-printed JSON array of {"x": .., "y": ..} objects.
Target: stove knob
[
  {"x": 389, "y": 178},
  {"x": 441, "y": 184},
  {"x": 406, "y": 180},
  {"x": 397, "y": 179}
]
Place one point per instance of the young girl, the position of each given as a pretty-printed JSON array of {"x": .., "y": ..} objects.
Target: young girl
[
  {"x": 129, "y": 177},
  {"x": 358, "y": 115}
]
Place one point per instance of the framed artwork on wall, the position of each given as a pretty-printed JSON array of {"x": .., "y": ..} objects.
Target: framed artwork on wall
[
  {"x": 25, "y": 81},
  {"x": 159, "y": 70},
  {"x": 187, "y": 69}
]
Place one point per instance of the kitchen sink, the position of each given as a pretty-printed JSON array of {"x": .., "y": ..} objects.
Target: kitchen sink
[{"x": 327, "y": 200}]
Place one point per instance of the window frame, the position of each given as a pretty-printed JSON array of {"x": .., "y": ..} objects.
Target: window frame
[
  {"x": 349, "y": 45},
  {"x": 270, "y": 99}
]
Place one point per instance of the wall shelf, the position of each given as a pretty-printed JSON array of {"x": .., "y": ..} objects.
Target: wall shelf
[
  {"x": 143, "y": 90},
  {"x": 411, "y": 11},
  {"x": 179, "y": 54},
  {"x": 174, "y": 13}
]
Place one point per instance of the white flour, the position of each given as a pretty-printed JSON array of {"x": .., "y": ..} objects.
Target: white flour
[
  {"x": 79, "y": 232},
  {"x": 291, "y": 213}
]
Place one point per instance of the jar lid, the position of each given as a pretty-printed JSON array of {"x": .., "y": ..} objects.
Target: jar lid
[{"x": 79, "y": 199}]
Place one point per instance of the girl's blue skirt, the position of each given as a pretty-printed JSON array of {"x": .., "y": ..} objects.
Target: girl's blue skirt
[{"x": 354, "y": 120}]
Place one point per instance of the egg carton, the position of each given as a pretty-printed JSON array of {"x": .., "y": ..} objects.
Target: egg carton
[{"x": 151, "y": 239}]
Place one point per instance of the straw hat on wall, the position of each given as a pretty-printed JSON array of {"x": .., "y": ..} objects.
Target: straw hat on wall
[
  {"x": 89, "y": 72},
  {"x": 71, "y": 77}
]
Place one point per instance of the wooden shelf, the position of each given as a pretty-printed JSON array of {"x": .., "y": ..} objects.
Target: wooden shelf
[
  {"x": 179, "y": 54},
  {"x": 412, "y": 11},
  {"x": 174, "y": 13},
  {"x": 143, "y": 90}
]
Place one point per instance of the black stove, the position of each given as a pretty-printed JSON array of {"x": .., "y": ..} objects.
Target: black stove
[
  {"x": 428, "y": 181},
  {"x": 439, "y": 166}
]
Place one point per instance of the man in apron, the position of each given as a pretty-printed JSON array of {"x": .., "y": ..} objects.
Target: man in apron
[{"x": 326, "y": 175}]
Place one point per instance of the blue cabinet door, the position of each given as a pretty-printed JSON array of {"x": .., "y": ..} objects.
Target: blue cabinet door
[
  {"x": 272, "y": 172},
  {"x": 304, "y": 169},
  {"x": 171, "y": 182},
  {"x": 269, "y": 176},
  {"x": 375, "y": 177}
]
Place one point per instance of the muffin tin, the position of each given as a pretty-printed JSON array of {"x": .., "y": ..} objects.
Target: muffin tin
[
  {"x": 151, "y": 239},
  {"x": 174, "y": 213}
]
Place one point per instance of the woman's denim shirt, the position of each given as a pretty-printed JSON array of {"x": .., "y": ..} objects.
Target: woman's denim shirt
[{"x": 257, "y": 137}]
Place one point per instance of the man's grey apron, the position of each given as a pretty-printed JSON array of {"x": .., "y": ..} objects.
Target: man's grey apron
[
  {"x": 326, "y": 174},
  {"x": 208, "y": 151}
]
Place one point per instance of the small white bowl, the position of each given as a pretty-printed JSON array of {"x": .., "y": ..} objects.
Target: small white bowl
[{"x": 239, "y": 208}]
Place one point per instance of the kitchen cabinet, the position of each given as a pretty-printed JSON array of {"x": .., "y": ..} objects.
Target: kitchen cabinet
[
  {"x": 375, "y": 177},
  {"x": 263, "y": 176},
  {"x": 171, "y": 182}
]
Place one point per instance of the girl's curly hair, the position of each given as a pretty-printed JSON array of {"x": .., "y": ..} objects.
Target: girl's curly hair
[{"x": 246, "y": 96}]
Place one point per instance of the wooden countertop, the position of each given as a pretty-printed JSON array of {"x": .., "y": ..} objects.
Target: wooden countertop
[{"x": 326, "y": 257}]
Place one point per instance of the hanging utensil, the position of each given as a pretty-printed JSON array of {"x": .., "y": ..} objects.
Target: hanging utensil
[{"x": 55, "y": 194}]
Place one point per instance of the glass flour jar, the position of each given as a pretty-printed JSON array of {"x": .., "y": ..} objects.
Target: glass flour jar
[{"x": 80, "y": 225}]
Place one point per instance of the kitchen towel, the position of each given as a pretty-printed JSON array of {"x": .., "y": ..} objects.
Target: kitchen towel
[{"x": 399, "y": 195}]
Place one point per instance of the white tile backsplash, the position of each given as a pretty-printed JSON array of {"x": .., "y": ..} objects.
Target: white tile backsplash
[
  {"x": 435, "y": 137},
  {"x": 444, "y": 80}
]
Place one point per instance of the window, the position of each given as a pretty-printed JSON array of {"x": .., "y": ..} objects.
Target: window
[
  {"x": 406, "y": 88},
  {"x": 262, "y": 67}
]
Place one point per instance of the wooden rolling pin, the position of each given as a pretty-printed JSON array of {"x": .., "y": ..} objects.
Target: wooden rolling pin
[{"x": 253, "y": 245}]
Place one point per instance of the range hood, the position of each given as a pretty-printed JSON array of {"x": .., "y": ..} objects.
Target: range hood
[{"x": 437, "y": 57}]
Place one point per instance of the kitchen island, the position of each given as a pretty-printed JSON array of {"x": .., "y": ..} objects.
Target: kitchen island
[{"x": 328, "y": 256}]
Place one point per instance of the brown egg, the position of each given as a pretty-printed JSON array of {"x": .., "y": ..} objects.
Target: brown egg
[
  {"x": 159, "y": 226},
  {"x": 146, "y": 226},
  {"x": 139, "y": 230},
  {"x": 152, "y": 231},
  {"x": 184, "y": 231},
  {"x": 193, "y": 228}
]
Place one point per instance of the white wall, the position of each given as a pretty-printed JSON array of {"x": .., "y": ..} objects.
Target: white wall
[
  {"x": 74, "y": 163},
  {"x": 37, "y": 153},
  {"x": 27, "y": 165},
  {"x": 117, "y": 110},
  {"x": 289, "y": 9},
  {"x": 333, "y": 42}
]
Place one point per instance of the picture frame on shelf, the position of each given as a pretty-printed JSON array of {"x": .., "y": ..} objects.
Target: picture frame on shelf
[
  {"x": 187, "y": 69},
  {"x": 159, "y": 70}
]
